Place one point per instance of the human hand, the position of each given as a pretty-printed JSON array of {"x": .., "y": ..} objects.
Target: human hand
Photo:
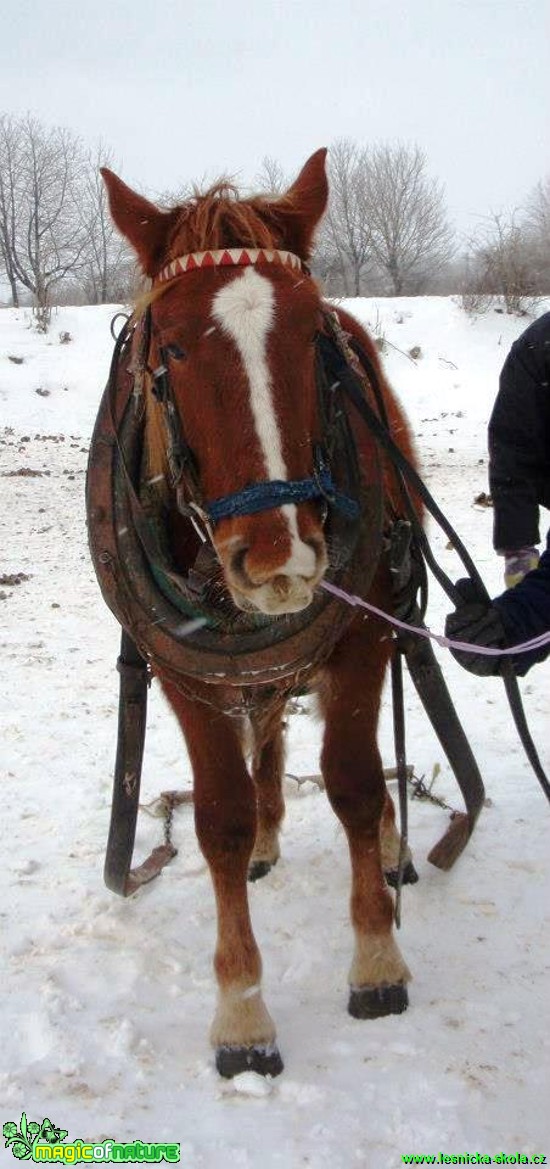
[{"x": 476, "y": 621}]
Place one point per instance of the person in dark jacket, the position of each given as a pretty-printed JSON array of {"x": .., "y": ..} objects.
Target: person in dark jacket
[{"x": 519, "y": 479}]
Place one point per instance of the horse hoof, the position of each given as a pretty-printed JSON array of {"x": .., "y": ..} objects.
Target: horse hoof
[
  {"x": 372, "y": 1002},
  {"x": 259, "y": 869},
  {"x": 266, "y": 1061},
  {"x": 410, "y": 875}
]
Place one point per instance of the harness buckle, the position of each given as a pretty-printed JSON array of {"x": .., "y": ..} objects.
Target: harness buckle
[{"x": 160, "y": 383}]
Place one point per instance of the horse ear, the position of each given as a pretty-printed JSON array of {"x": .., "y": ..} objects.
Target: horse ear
[
  {"x": 144, "y": 226},
  {"x": 304, "y": 205}
]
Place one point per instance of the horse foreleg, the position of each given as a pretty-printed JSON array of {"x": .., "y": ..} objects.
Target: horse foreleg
[
  {"x": 243, "y": 1033},
  {"x": 267, "y": 774},
  {"x": 354, "y": 779}
]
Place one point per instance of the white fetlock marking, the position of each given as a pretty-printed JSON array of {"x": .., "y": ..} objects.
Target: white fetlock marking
[
  {"x": 251, "y": 991},
  {"x": 266, "y": 848},
  {"x": 390, "y": 845},
  {"x": 242, "y": 1020},
  {"x": 377, "y": 961}
]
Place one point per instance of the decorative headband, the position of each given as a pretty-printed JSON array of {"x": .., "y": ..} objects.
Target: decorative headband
[{"x": 226, "y": 258}]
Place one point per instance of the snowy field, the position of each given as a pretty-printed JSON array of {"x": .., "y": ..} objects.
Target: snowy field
[{"x": 107, "y": 1003}]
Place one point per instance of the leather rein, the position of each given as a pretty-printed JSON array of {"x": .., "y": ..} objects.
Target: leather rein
[{"x": 353, "y": 368}]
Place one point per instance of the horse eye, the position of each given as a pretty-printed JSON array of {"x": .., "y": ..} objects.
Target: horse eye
[{"x": 174, "y": 350}]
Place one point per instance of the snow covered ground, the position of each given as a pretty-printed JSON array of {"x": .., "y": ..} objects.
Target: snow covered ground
[{"x": 106, "y": 1003}]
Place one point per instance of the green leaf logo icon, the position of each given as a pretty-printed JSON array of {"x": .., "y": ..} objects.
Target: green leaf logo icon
[
  {"x": 21, "y": 1150},
  {"x": 23, "y": 1138}
]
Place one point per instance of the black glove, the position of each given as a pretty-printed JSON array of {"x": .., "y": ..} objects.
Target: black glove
[{"x": 476, "y": 621}]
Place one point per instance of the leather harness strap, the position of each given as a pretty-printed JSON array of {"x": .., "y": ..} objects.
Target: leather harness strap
[
  {"x": 132, "y": 719},
  {"x": 351, "y": 381}
]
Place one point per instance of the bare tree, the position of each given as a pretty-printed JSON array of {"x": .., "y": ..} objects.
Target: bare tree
[
  {"x": 107, "y": 266},
  {"x": 271, "y": 177},
  {"x": 10, "y": 181},
  {"x": 537, "y": 228},
  {"x": 46, "y": 239},
  {"x": 345, "y": 241},
  {"x": 538, "y": 208},
  {"x": 411, "y": 239}
]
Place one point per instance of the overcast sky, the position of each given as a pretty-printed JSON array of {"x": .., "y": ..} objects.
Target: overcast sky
[{"x": 180, "y": 89}]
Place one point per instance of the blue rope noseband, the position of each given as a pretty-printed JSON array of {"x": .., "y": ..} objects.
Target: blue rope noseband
[{"x": 276, "y": 492}]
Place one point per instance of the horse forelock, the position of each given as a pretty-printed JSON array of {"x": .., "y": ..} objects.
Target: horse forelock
[{"x": 218, "y": 218}]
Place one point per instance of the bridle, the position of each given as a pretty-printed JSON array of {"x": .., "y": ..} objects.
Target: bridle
[
  {"x": 184, "y": 474},
  {"x": 149, "y": 594}
]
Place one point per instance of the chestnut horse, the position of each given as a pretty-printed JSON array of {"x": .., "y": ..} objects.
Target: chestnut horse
[{"x": 233, "y": 315}]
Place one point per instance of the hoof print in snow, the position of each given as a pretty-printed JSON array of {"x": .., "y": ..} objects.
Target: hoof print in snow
[
  {"x": 372, "y": 1002},
  {"x": 232, "y": 1061},
  {"x": 410, "y": 876}
]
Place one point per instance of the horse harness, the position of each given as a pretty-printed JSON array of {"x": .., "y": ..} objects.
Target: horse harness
[{"x": 257, "y": 658}]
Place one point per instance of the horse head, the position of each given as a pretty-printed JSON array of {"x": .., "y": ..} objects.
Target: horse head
[{"x": 233, "y": 317}]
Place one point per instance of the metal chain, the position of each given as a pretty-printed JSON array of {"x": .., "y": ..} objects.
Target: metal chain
[
  {"x": 419, "y": 788},
  {"x": 163, "y": 807},
  {"x": 423, "y": 791}
]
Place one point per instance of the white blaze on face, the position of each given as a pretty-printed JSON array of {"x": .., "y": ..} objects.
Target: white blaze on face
[{"x": 245, "y": 311}]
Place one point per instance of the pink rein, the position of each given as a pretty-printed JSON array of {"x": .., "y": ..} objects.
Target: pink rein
[{"x": 446, "y": 642}]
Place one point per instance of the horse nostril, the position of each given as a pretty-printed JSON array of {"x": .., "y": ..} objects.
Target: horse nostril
[
  {"x": 318, "y": 547},
  {"x": 281, "y": 586},
  {"x": 238, "y": 565}
]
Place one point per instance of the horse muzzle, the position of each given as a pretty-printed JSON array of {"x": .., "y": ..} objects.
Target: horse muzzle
[{"x": 258, "y": 581}]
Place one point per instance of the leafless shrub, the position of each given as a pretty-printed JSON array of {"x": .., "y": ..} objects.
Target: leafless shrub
[{"x": 501, "y": 266}]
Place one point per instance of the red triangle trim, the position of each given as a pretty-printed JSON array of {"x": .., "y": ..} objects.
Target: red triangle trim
[{"x": 227, "y": 257}]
